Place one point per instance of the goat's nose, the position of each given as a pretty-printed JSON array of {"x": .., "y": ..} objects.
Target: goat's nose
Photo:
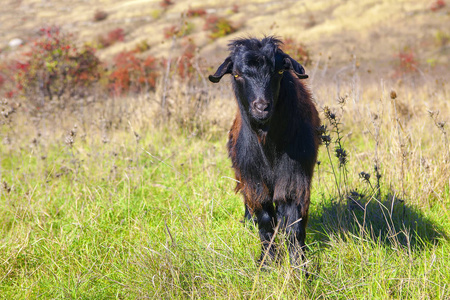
[{"x": 260, "y": 105}]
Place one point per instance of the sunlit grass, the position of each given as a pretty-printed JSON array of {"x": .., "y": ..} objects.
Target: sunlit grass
[{"x": 139, "y": 211}]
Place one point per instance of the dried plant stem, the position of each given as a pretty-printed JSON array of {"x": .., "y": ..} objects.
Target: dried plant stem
[
  {"x": 441, "y": 126},
  {"x": 334, "y": 173},
  {"x": 398, "y": 127},
  {"x": 164, "y": 110}
]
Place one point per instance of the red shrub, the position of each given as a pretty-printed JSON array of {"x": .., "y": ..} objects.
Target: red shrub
[
  {"x": 210, "y": 22},
  {"x": 100, "y": 15},
  {"x": 132, "y": 74},
  {"x": 87, "y": 68},
  {"x": 195, "y": 12},
  {"x": 437, "y": 5},
  {"x": 297, "y": 51},
  {"x": 178, "y": 31},
  {"x": 405, "y": 63},
  {"x": 165, "y": 3},
  {"x": 112, "y": 37},
  {"x": 219, "y": 27},
  {"x": 53, "y": 67},
  {"x": 184, "y": 65},
  {"x": 170, "y": 31}
]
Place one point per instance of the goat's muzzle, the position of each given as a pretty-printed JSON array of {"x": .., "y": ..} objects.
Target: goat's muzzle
[{"x": 260, "y": 109}]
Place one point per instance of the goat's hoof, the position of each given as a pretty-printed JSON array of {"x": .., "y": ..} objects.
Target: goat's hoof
[
  {"x": 262, "y": 265},
  {"x": 265, "y": 260}
]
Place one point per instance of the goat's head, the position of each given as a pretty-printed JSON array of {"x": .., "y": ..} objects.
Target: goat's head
[{"x": 257, "y": 67}]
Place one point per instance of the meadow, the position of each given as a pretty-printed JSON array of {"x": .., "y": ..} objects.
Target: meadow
[
  {"x": 115, "y": 201},
  {"x": 115, "y": 182}
]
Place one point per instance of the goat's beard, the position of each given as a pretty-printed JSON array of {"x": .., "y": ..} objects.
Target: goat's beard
[
  {"x": 260, "y": 125},
  {"x": 260, "y": 117}
]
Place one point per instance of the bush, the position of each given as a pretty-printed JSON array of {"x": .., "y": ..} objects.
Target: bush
[
  {"x": 132, "y": 74},
  {"x": 142, "y": 46},
  {"x": 100, "y": 15},
  {"x": 178, "y": 31},
  {"x": 54, "y": 67},
  {"x": 165, "y": 3},
  {"x": 297, "y": 51},
  {"x": 112, "y": 37},
  {"x": 195, "y": 12},
  {"x": 437, "y": 5},
  {"x": 219, "y": 27},
  {"x": 441, "y": 38},
  {"x": 405, "y": 63},
  {"x": 184, "y": 65},
  {"x": 87, "y": 69}
]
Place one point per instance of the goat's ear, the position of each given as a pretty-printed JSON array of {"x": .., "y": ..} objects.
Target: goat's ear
[
  {"x": 225, "y": 68},
  {"x": 291, "y": 64}
]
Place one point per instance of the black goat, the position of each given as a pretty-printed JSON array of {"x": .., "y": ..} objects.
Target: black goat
[{"x": 273, "y": 141}]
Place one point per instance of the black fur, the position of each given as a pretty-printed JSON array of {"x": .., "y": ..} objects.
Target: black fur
[{"x": 273, "y": 142}]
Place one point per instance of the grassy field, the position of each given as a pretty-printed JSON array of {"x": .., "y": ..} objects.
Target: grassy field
[
  {"x": 108, "y": 202},
  {"x": 105, "y": 197}
]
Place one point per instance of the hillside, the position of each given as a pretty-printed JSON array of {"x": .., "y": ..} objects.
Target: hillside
[{"x": 372, "y": 31}]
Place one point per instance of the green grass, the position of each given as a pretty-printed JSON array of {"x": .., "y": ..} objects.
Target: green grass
[
  {"x": 159, "y": 219},
  {"x": 116, "y": 216}
]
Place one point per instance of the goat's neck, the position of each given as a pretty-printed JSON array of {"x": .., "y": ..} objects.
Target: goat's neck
[
  {"x": 260, "y": 130},
  {"x": 265, "y": 133}
]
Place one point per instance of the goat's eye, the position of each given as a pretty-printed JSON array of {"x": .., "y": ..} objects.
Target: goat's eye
[
  {"x": 281, "y": 72},
  {"x": 236, "y": 76}
]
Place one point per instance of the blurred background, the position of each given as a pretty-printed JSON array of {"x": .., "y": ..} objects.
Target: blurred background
[{"x": 123, "y": 47}]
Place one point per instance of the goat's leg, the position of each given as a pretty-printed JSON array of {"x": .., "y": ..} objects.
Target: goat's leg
[
  {"x": 294, "y": 223},
  {"x": 247, "y": 214},
  {"x": 267, "y": 220}
]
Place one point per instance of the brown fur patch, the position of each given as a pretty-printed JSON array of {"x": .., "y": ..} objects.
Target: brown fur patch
[
  {"x": 262, "y": 137},
  {"x": 252, "y": 198},
  {"x": 234, "y": 132}
]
